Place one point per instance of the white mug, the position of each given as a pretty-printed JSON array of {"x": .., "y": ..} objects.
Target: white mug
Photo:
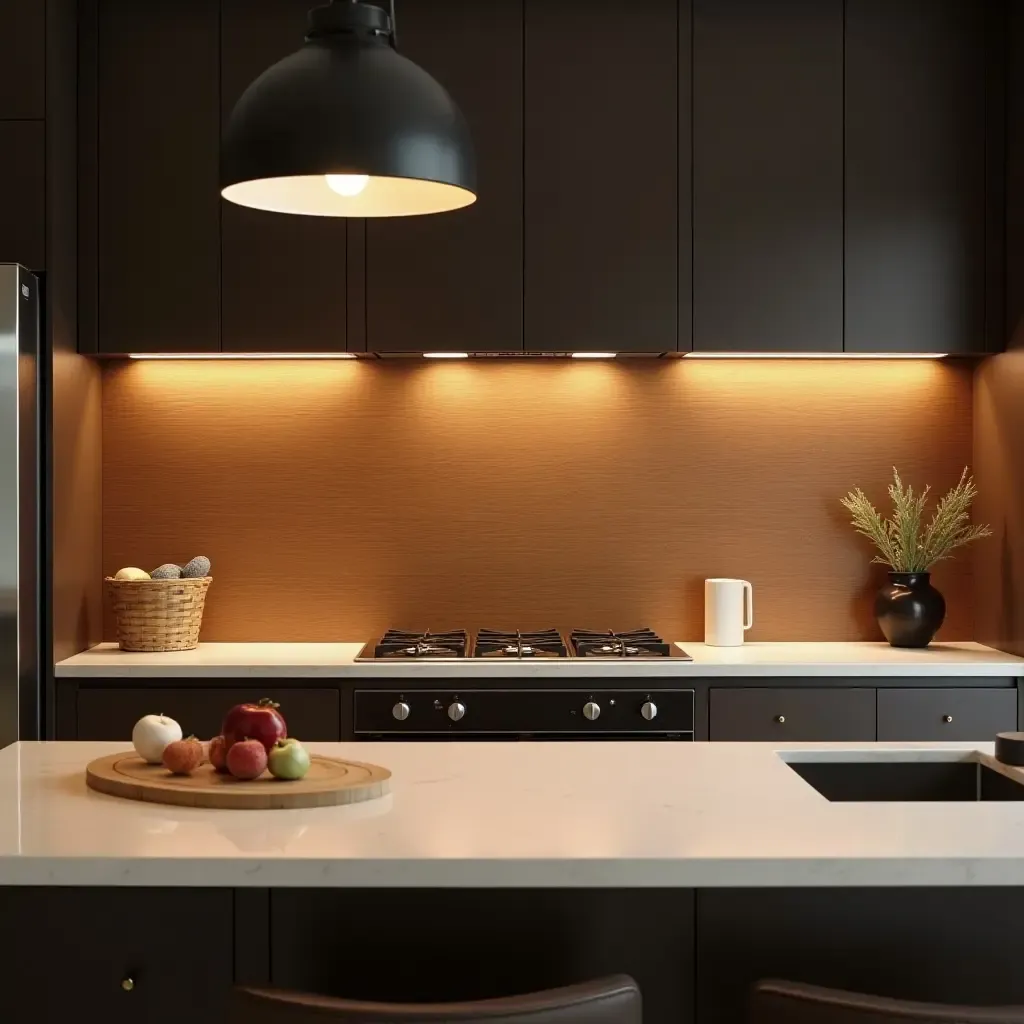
[{"x": 728, "y": 611}]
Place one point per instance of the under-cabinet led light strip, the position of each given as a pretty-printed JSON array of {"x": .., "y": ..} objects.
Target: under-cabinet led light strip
[
  {"x": 242, "y": 355},
  {"x": 573, "y": 355},
  {"x": 815, "y": 355}
]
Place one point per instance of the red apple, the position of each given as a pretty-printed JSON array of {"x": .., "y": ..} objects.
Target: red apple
[
  {"x": 260, "y": 721},
  {"x": 247, "y": 759},
  {"x": 183, "y": 756},
  {"x": 219, "y": 754}
]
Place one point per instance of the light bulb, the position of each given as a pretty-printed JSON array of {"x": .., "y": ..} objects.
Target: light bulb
[{"x": 347, "y": 184}]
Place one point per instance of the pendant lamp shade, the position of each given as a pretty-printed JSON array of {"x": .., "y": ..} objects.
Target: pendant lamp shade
[{"x": 348, "y": 127}]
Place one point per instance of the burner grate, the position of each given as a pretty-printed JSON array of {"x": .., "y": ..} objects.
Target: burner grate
[
  {"x": 637, "y": 643},
  {"x": 496, "y": 643},
  {"x": 398, "y": 643}
]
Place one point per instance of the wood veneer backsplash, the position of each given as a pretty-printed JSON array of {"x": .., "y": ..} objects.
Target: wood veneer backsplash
[
  {"x": 338, "y": 498},
  {"x": 999, "y": 443}
]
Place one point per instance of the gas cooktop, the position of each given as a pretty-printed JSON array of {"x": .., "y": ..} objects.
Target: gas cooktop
[{"x": 539, "y": 645}]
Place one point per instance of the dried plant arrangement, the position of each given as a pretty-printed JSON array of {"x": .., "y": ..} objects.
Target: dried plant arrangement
[{"x": 904, "y": 542}]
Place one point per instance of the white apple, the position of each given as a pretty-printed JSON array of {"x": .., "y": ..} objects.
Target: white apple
[{"x": 151, "y": 734}]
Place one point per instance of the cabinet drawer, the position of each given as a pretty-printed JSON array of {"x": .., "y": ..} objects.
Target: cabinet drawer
[
  {"x": 87, "y": 954},
  {"x": 109, "y": 713},
  {"x": 967, "y": 713},
  {"x": 775, "y": 713}
]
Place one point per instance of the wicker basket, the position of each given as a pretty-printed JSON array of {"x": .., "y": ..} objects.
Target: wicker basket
[{"x": 158, "y": 615}]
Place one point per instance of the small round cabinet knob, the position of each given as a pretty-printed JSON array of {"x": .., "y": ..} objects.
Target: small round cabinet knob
[
  {"x": 947, "y": 719},
  {"x": 780, "y": 719},
  {"x": 649, "y": 710},
  {"x": 400, "y": 711},
  {"x": 456, "y": 711},
  {"x": 128, "y": 984},
  {"x": 591, "y": 711}
]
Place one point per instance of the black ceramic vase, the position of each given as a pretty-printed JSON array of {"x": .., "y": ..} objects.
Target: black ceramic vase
[{"x": 909, "y": 609}]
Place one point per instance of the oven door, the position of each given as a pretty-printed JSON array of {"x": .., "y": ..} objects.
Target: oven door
[{"x": 494, "y": 714}]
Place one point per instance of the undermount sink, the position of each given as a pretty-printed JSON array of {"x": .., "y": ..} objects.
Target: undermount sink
[{"x": 888, "y": 779}]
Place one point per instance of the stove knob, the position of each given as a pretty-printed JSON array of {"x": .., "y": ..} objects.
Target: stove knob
[
  {"x": 591, "y": 711},
  {"x": 400, "y": 711},
  {"x": 456, "y": 711},
  {"x": 649, "y": 710}
]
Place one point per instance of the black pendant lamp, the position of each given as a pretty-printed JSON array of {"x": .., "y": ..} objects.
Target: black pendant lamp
[{"x": 348, "y": 127}]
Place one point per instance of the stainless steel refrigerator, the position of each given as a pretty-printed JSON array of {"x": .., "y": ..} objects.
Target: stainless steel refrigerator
[{"x": 19, "y": 504}]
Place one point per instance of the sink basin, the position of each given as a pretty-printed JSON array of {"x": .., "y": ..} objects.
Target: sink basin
[{"x": 888, "y": 780}]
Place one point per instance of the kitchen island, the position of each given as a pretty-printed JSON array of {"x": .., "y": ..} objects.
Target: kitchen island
[
  {"x": 493, "y": 868},
  {"x": 551, "y": 815}
]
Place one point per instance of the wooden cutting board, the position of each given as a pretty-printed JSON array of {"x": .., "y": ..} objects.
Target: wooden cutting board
[{"x": 329, "y": 781}]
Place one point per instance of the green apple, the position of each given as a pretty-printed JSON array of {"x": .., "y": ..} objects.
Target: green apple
[{"x": 288, "y": 759}]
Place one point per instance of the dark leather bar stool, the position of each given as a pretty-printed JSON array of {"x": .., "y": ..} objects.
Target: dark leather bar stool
[
  {"x": 786, "y": 1002},
  {"x": 614, "y": 1000}
]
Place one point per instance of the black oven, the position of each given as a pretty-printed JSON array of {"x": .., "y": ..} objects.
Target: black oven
[{"x": 562, "y": 713}]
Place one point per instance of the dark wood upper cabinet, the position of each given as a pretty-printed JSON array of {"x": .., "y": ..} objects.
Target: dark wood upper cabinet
[
  {"x": 23, "y": 193},
  {"x": 157, "y": 191},
  {"x": 768, "y": 175},
  {"x": 684, "y": 161},
  {"x": 22, "y": 60},
  {"x": 454, "y": 281},
  {"x": 721, "y": 175},
  {"x": 916, "y": 175},
  {"x": 284, "y": 277},
  {"x": 602, "y": 190}
]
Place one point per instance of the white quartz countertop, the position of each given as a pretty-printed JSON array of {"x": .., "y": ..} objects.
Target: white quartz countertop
[
  {"x": 331, "y": 661},
  {"x": 515, "y": 814}
]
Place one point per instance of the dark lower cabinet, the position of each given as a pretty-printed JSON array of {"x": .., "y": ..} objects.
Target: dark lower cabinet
[
  {"x": 160, "y": 955},
  {"x": 435, "y": 945},
  {"x": 117, "y": 954},
  {"x": 938, "y": 945},
  {"x": 961, "y": 714},
  {"x": 109, "y": 712},
  {"x": 826, "y": 714}
]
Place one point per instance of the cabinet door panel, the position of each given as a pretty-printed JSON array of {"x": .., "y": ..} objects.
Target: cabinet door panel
[
  {"x": 768, "y": 175},
  {"x": 454, "y": 281},
  {"x": 22, "y": 61},
  {"x": 525, "y": 940},
  {"x": 23, "y": 193},
  {"x": 602, "y": 185},
  {"x": 946, "y": 714},
  {"x": 915, "y": 176},
  {"x": 906, "y": 943},
  {"x": 109, "y": 713},
  {"x": 284, "y": 277},
  {"x": 793, "y": 715},
  {"x": 158, "y": 195},
  {"x": 77, "y": 946}
]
